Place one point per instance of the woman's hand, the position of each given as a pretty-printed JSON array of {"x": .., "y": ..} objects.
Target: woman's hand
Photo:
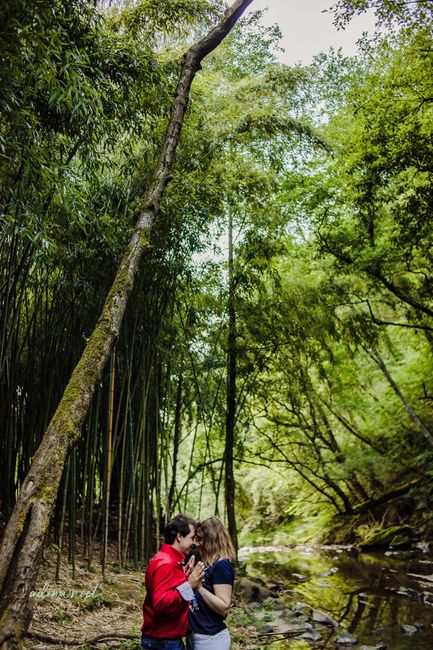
[
  {"x": 189, "y": 566},
  {"x": 196, "y": 575}
]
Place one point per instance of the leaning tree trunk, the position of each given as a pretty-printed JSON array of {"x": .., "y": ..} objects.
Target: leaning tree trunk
[
  {"x": 26, "y": 530},
  {"x": 407, "y": 407}
]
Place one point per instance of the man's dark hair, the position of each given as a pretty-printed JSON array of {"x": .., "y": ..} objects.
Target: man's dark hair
[{"x": 179, "y": 524}]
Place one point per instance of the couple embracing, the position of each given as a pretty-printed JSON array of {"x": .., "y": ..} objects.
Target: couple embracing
[{"x": 189, "y": 599}]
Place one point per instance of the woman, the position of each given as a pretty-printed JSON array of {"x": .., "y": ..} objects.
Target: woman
[{"x": 206, "y": 619}]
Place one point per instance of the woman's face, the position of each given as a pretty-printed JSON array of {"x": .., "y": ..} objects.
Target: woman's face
[{"x": 198, "y": 539}]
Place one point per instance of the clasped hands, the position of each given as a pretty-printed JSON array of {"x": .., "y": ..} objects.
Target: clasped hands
[{"x": 194, "y": 572}]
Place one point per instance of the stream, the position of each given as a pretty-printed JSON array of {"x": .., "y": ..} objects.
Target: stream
[{"x": 370, "y": 595}]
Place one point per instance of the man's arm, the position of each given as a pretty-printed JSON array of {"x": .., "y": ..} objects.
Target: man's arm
[{"x": 166, "y": 597}]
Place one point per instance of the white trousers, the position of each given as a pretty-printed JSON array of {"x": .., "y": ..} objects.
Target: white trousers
[{"x": 220, "y": 641}]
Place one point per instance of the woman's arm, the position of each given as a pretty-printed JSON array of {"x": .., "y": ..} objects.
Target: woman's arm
[{"x": 220, "y": 600}]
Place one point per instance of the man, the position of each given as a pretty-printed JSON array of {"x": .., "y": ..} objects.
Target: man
[{"x": 169, "y": 588}]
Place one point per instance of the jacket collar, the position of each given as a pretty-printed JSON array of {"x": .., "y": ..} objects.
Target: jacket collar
[{"x": 173, "y": 552}]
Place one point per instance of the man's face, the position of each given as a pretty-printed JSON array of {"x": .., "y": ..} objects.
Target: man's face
[{"x": 185, "y": 543}]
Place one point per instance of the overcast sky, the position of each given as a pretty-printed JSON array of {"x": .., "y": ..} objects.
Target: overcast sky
[{"x": 308, "y": 31}]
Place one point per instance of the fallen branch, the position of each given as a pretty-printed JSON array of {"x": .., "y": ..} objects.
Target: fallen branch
[
  {"x": 40, "y": 636},
  {"x": 286, "y": 635}
]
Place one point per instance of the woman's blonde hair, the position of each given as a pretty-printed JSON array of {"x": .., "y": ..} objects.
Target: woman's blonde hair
[{"x": 215, "y": 541}]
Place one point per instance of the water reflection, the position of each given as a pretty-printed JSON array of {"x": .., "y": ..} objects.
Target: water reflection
[{"x": 369, "y": 595}]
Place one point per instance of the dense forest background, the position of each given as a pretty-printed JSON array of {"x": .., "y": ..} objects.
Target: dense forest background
[{"x": 275, "y": 361}]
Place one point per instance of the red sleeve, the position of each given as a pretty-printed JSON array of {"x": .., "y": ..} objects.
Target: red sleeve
[{"x": 166, "y": 597}]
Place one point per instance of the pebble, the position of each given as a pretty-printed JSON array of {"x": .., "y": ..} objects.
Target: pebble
[
  {"x": 345, "y": 639},
  {"x": 379, "y": 630}
]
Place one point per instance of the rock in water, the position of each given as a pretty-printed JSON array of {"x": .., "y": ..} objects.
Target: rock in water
[
  {"x": 423, "y": 577},
  {"x": 396, "y": 536},
  {"x": 427, "y": 597},
  {"x": 310, "y": 635},
  {"x": 323, "y": 619},
  {"x": 250, "y": 590},
  {"x": 302, "y": 609},
  {"x": 410, "y": 593},
  {"x": 293, "y": 629},
  {"x": 408, "y": 629},
  {"x": 379, "y": 630},
  {"x": 345, "y": 639}
]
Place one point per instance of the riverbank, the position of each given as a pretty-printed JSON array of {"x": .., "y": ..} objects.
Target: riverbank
[
  {"x": 382, "y": 530},
  {"x": 366, "y": 599},
  {"x": 281, "y": 593}
]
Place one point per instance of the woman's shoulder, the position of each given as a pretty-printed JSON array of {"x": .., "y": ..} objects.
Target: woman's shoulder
[
  {"x": 223, "y": 562},
  {"x": 223, "y": 569}
]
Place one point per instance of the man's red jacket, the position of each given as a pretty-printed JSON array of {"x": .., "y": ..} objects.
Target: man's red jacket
[{"x": 165, "y": 612}]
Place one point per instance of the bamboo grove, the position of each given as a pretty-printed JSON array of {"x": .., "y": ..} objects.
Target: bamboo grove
[{"x": 275, "y": 356}]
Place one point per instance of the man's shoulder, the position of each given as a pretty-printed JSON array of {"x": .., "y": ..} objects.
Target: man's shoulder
[
  {"x": 159, "y": 562},
  {"x": 162, "y": 557}
]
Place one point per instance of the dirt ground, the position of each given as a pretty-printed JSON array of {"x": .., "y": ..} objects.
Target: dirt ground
[
  {"x": 88, "y": 611},
  {"x": 85, "y": 606}
]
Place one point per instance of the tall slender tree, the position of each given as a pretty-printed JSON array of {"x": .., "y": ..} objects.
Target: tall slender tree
[{"x": 231, "y": 393}]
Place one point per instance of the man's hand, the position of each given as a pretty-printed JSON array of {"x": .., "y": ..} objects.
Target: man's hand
[
  {"x": 189, "y": 566},
  {"x": 196, "y": 576}
]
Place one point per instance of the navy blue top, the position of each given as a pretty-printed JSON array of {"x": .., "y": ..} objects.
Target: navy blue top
[{"x": 205, "y": 620}]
